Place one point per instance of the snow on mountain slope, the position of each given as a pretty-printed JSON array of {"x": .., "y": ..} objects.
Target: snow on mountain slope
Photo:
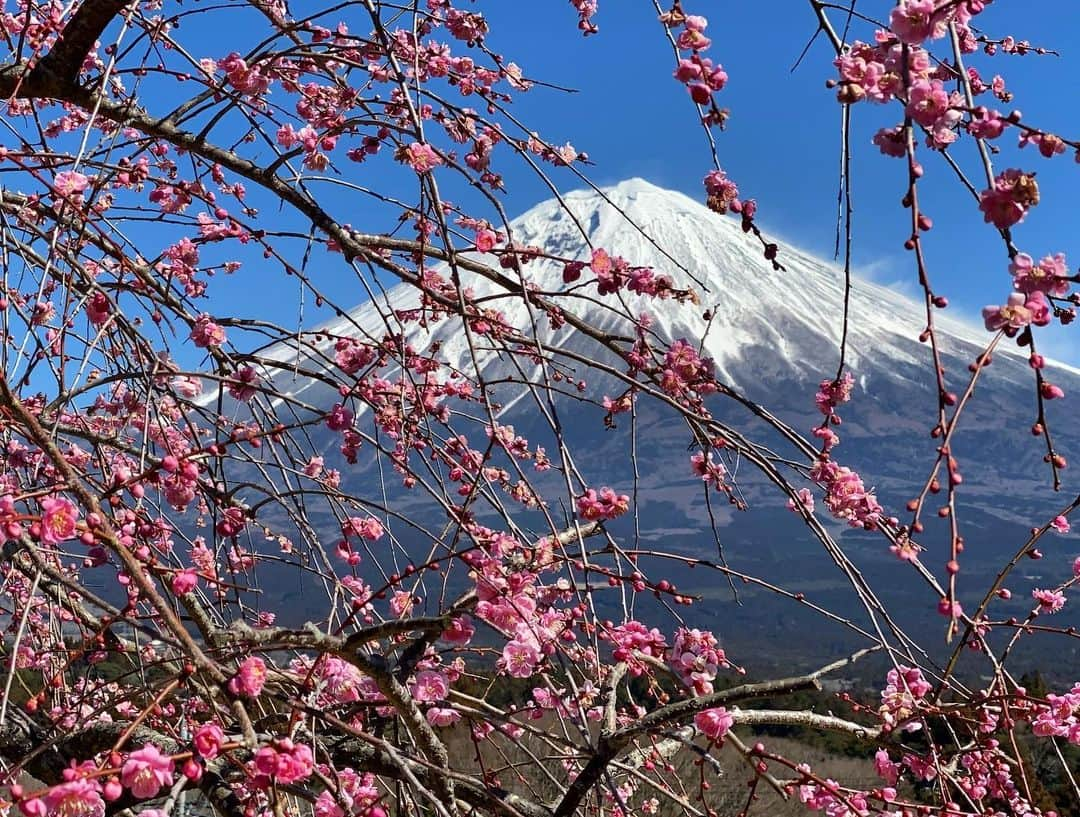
[
  {"x": 774, "y": 336},
  {"x": 766, "y": 327}
]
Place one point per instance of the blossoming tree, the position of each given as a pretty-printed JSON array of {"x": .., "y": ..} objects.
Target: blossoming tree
[{"x": 152, "y": 470}]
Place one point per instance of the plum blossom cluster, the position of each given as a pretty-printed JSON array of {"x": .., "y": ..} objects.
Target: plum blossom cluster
[
  {"x": 1039, "y": 288},
  {"x": 614, "y": 274},
  {"x": 714, "y": 723},
  {"x": 1060, "y": 717},
  {"x": 846, "y": 495},
  {"x": 696, "y": 657},
  {"x": 1007, "y": 202},
  {"x": 602, "y": 504},
  {"x": 143, "y": 774},
  {"x": 905, "y": 689},
  {"x": 698, "y": 73},
  {"x": 632, "y": 640}
]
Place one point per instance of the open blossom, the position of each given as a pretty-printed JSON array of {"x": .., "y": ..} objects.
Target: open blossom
[
  {"x": 59, "y": 520},
  {"x": 206, "y": 333},
  {"x": 421, "y": 157},
  {"x": 1007, "y": 202},
  {"x": 519, "y": 659},
  {"x": 714, "y": 723},
  {"x": 912, "y": 21},
  {"x": 459, "y": 631},
  {"x": 430, "y": 687},
  {"x": 603, "y": 505},
  {"x": 442, "y": 716},
  {"x": 986, "y": 124},
  {"x": 146, "y": 771},
  {"x": 833, "y": 393},
  {"x": 806, "y": 501},
  {"x": 892, "y": 141},
  {"x": 697, "y": 656},
  {"x": 285, "y": 761},
  {"x": 1060, "y": 524},
  {"x": 886, "y": 769},
  {"x": 208, "y": 740},
  {"x": 846, "y": 496},
  {"x": 78, "y": 797},
  {"x": 242, "y": 385},
  {"x": 928, "y": 101},
  {"x": 1050, "y": 275},
  {"x": 721, "y": 191},
  {"x": 1011, "y": 317},
  {"x": 339, "y": 418},
  {"x": 249, "y": 679},
  {"x": 1050, "y": 601},
  {"x": 70, "y": 183},
  {"x": 184, "y": 581},
  {"x": 365, "y": 527},
  {"x": 187, "y": 385}
]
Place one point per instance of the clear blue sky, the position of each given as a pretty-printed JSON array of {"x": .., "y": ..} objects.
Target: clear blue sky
[{"x": 782, "y": 141}]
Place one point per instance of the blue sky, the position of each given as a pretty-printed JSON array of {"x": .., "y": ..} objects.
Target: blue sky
[
  {"x": 781, "y": 144},
  {"x": 782, "y": 141}
]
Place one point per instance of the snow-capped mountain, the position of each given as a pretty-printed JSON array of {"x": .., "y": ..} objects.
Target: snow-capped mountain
[{"x": 774, "y": 335}]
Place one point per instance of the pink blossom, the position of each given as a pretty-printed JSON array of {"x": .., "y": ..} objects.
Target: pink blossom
[
  {"x": 59, "y": 520},
  {"x": 892, "y": 141},
  {"x": 1048, "y": 144},
  {"x": 986, "y": 124},
  {"x": 429, "y": 687},
  {"x": 206, "y": 333},
  {"x": 78, "y": 797},
  {"x": 98, "y": 308},
  {"x": 912, "y": 21},
  {"x": 339, "y": 418},
  {"x": 459, "y": 632},
  {"x": 421, "y": 157},
  {"x": 70, "y": 183},
  {"x": 285, "y": 761},
  {"x": 1060, "y": 524},
  {"x": 351, "y": 355},
  {"x": 714, "y": 723},
  {"x": 833, "y": 393},
  {"x": 722, "y": 192},
  {"x": 188, "y": 386},
  {"x": 1011, "y": 317},
  {"x": 442, "y": 716},
  {"x": 885, "y": 768},
  {"x": 928, "y": 101},
  {"x": 519, "y": 659},
  {"x": 696, "y": 657},
  {"x": 1007, "y": 202},
  {"x": 634, "y": 639},
  {"x": 146, "y": 771},
  {"x": 208, "y": 740},
  {"x": 603, "y": 505},
  {"x": 806, "y": 501},
  {"x": 249, "y": 679},
  {"x": 1050, "y": 275},
  {"x": 184, "y": 581},
  {"x": 366, "y": 527},
  {"x": 242, "y": 385},
  {"x": 1050, "y": 601}
]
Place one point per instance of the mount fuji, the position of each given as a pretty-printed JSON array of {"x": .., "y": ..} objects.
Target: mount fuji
[{"x": 773, "y": 335}]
